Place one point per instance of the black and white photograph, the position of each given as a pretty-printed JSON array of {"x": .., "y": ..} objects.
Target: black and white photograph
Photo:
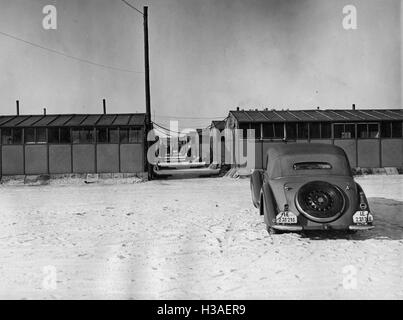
[{"x": 194, "y": 150}]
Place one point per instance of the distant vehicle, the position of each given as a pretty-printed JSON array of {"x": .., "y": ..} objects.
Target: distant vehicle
[
  {"x": 309, "y": 187},
  {"x": 185, "y": 169}
]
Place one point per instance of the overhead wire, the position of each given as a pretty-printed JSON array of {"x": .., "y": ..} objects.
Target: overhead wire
[
  {"x": 166, "y": 129},
  {"x": 60, "y": 53},
  {"x": 187, "y": 118},
  {"x": 132, "y": 6}
]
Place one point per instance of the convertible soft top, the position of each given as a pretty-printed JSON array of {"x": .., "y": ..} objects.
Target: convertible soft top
[
  {"x": 280, "y": 150},
  {"x": 282, "y": 158}
]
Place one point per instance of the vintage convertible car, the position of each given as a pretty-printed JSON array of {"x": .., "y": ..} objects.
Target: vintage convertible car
[{"x": 309, "y": 187}]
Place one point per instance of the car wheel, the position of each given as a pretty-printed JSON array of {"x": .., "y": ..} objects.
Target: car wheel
[
  {"x": 255, "y": 187},
  {"x": 261, "y": 205},
  {"x": 252, "y": 190},
  {"x": 271, "y": 230}
]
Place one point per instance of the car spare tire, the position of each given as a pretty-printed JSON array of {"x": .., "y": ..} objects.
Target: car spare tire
[{"x": 320, "y": 201}]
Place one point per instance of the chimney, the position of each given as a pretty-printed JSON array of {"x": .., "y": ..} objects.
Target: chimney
[
  {"x": 44, "y": 111},
  {"x": 104, "y": 103},
  {"x": 353, "y": 107},
  {"x": 18, "y": 107}
]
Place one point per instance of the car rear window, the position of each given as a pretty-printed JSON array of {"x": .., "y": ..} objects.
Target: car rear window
[{"x": 312, "y": 166}]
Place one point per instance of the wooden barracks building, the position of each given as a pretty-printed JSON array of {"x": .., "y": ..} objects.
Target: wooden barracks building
[
  {"x": 115, "y": 143},
  {"x": 371, "y": 138},
  {"x": 68, "y": 144}
]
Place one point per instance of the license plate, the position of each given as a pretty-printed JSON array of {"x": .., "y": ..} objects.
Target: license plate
[
  {"x": 362, "y": 217},
  {"x": 286, "y": 219}
]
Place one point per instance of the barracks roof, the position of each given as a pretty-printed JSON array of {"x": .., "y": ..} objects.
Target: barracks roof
[
  {"x": 317, "y": 115},
  {"x": 73, "y": 120}
]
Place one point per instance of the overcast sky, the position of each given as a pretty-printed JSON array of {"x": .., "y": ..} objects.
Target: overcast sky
[{"x": 207, "y": 56}]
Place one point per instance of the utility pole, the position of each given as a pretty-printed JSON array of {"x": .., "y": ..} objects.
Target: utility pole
[
  {"x": 147, "y": 86},
  {"x": 148, "y": 123},
  {"x": 147, "y": 65}
]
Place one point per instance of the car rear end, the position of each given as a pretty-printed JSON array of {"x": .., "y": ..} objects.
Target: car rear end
[{"x": 320, "y": 203}]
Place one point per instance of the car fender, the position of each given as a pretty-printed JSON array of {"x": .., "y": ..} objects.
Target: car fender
[{"x": 267, "y": 199}]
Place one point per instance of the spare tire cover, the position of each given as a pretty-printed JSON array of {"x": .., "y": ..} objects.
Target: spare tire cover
[{"x": 320, "y": 201}]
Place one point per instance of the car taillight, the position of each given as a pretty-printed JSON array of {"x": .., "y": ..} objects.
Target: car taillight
[
  {"x": 363, "y": 202},
  {"x": 363, "y": 206},
  {"x": 363, "y": 216}
]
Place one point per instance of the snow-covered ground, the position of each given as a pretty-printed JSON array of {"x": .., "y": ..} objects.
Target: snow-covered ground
[{"x": 187, "y": 239}]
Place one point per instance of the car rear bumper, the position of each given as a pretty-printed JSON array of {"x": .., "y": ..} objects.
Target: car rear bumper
[
  {"x": 287, "y": 228},
  {"x": 358, "y": 228},
  {"x": 300, "y": 228}
]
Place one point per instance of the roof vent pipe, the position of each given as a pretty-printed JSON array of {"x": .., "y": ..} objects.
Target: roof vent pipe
[
  {"x": 237, "y": 108},
  {"x": 44, "y": 111},
  {"x": 18, "y": 107},
  {"x": 104, "y": 103},
  {"x": 353, "y": 107}
]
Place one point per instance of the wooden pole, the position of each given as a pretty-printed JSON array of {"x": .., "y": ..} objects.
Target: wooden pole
[{"x": 147, "y": 87}]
